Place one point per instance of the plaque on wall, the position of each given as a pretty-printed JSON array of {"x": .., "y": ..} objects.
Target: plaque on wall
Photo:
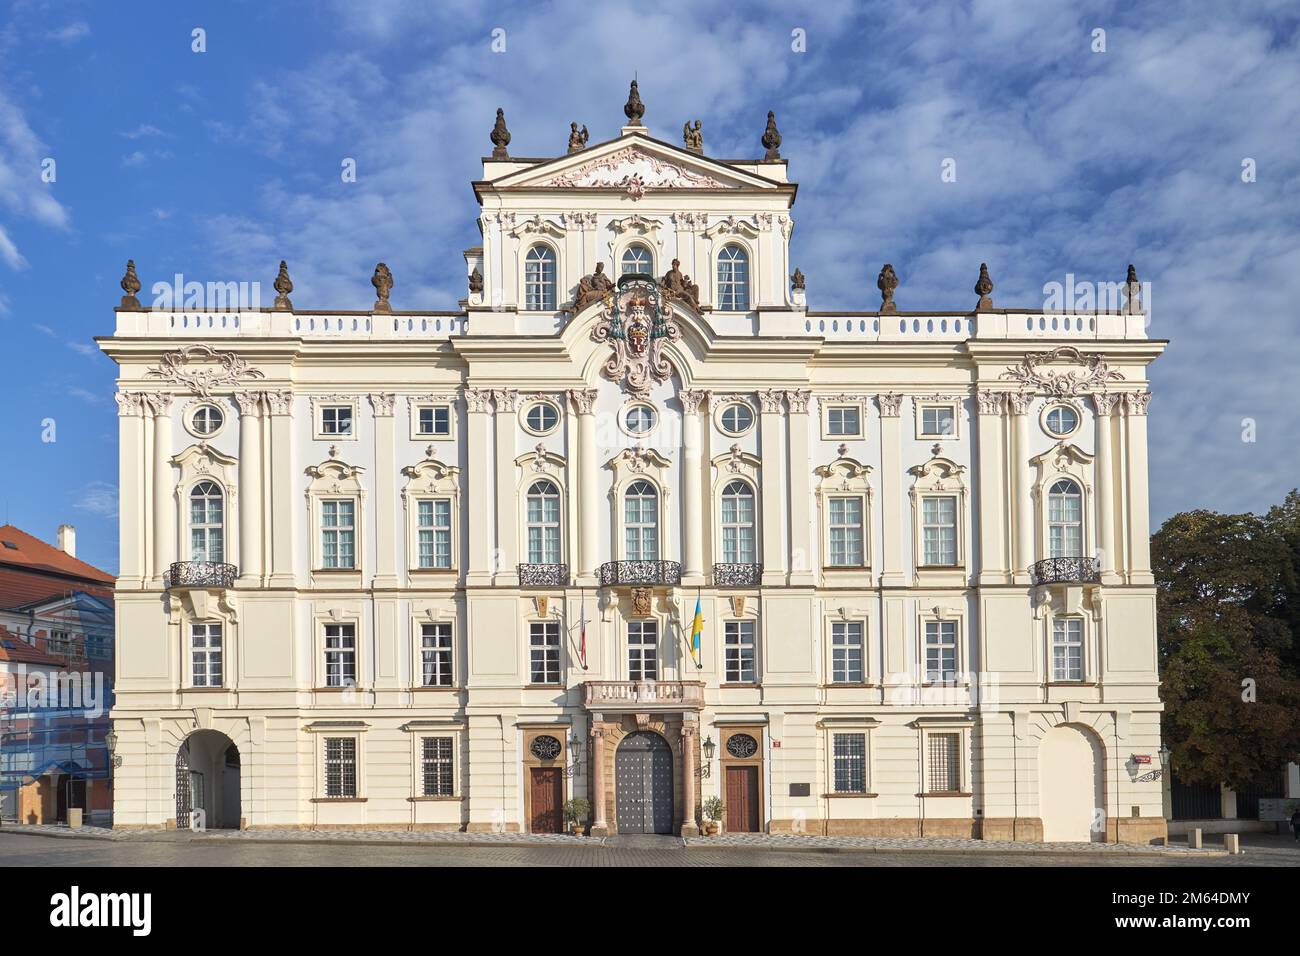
[{"x": 800, "y": 789}]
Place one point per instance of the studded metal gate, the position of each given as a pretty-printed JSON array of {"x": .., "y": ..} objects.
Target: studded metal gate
[
  {"x": 183, "y": 805},
  {"x": 643, "y": 784}
]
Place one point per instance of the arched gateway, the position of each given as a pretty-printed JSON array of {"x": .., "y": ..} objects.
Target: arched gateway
[
  {"x": 643, "y": 784},
  {"x": 208, "y": 780}
]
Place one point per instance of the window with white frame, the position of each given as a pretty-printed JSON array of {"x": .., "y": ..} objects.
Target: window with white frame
[
  {"x": 637, "y": 260},
  {"x": 1067, "y": 649},
  {"x": 643, "y": 650},
  {"x": 849, "y": 755},
  {"x": 739, "y": 537},
  {"x": 340, "y": 655},
  {"x": 336, "y": 420},
  {"x": 338, "y": 533},
  {"x": 341, "y": 767},
  {"x": 737, "y": 418},
  {"x": 938, "y": 421},
  {"x": 1065, "y": 520},
  {"x": 543, "y": 505},
  {"x": 641, "y": 522},
  {"x": 845, "y": 531},
  {"x": 541, "y": 418},
  {"x": 438, "y": 769},
  {"x": 1061, "y": 420},
  {"x": 846, "y": 652},
  {"x": 205, "y": 654},
  {"x": 733, "y": 279},
  {"x": 940, "y": 652},
  {"x": 939, "y": 531},
  {"x": 639, "y": 419},
  {"x": 207, "y": 523},
  {"x": 207, "y": 420},
  {"x": 544, "y": 652},
  {"x": 539, "y": 279},
  {"x": 843, "y": 421},
  {"x": 433, "y": 421},
  {"x": 943, "y": 762},
  {"x": 435, "y": 654},
  {"x": 739, "y": 652},
  {"x": 433, "y": 533}
]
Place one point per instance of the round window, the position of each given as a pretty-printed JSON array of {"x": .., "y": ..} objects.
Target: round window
[
  {"x": 542, "y": 417},
  {"x": 737, "y": 418},
  {"x": 1061, "y": 420},
  {"x": 207, "y": 419},
  {"x": 742, "y": 746},
  {"x": 545, "y": 747},
  {"x": 639, "y": 419}
]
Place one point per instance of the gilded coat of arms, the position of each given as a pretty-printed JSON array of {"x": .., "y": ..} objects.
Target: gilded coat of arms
[{"x": 637, "y": 325}]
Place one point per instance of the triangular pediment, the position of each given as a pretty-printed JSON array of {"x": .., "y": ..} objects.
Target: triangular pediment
[{"x": 636, "y": 164}]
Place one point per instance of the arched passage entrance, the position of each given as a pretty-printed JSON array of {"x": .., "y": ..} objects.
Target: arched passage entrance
[
  {"x": 208, "y": 780},
  {"x": 643, "y": 784},
  {"x": 1071, "y": 787}
]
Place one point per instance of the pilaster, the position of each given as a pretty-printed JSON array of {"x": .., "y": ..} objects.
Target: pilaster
[
  {"x": 385, "y": 485},
  {"x": 800, "y": 486},
  {"x": 505, "y": 567},
  {"x": 285, "y": 504},
  {"x": 588, "y": 472},
  {"x": 1023, "y": 514},
  {"x": 158, "y": 406},
  {"x": 1108, "y": 405},
  {"x": 131, "y": 466},
  {"x": 891, "y": 491},
  {"x": 1135, "y": 420},
  {"x": 250, "y": 486},
  {"x": 479, "y": 497},
  {"x": 693, "y": 481},
  {"x": 991, "y": 423},
  {"x": 773, "y": 492}
]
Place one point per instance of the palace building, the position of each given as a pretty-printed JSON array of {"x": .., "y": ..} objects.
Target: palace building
[{"x": 410, "y": 569}]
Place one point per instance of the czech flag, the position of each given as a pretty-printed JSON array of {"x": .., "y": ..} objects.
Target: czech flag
[{"x": 697, "y": 628}]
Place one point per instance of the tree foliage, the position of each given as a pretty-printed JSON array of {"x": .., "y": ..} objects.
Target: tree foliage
[{"x": 1228, "y": 611}]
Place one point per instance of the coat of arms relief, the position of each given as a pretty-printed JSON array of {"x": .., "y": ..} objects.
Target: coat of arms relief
[{"x": 637, "y": 325}]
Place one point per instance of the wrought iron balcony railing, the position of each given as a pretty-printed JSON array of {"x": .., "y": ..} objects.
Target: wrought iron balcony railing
[
  {"x": 615, "y": 573},
  {"x": 1066, "y": 571},
  {"x": 201, "y": 574},
  {"x": 543, "y": 575},
  {"x": 736, "y": 575}
]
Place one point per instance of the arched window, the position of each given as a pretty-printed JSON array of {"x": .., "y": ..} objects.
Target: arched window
[
  {"x": 543, "y": 523},
  {"x": 738, "y": 544},
  {"x": 733, "y": 279},
  {"x": 207, "y": 523},
  {"x": 641, "y": 522},
  {"x": 637, "y": 259},
  {"x": 539, "y": 279},
  {"x": 1065, "y": 520}
]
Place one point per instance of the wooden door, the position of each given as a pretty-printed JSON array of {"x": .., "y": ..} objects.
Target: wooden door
[
  {"x": 643, "y": 784},
  {"x": 742, "y": 800},
  {"x": 547, "y": 800}
]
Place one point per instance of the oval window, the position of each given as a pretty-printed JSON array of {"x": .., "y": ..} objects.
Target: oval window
[
  {"x": 542, "y": 418},
  {"x": 207, "y": 420},
  {"x": 742, "y": 746},
  {"x": 639, "y": 419},
  {"x": 1062, "y": 420},
  {"x": 737, "y": 418}
]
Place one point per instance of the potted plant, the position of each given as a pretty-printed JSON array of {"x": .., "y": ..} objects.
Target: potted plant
[
  {"x": 576, "y": 811},
  {"x": 714, "y": 808}
]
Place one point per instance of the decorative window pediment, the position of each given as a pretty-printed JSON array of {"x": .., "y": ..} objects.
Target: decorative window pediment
[
  {"x": 541, "y": 463},
  {"x": 639, "y": 462},
  {"x": 938, "y": 474},
  {"x": 843, "y": 475},
  {"x": 536, "y": 225},
  {"x": 1062, "y": 459},
  {"x": 430, "y": 477},
  {"x": 731, "y": 226},
  {"x": 203, "y": 461},
  {"x": 737, "y": 464}
]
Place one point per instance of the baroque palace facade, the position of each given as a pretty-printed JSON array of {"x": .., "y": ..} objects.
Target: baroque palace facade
[{"x": 440, "y": 569}]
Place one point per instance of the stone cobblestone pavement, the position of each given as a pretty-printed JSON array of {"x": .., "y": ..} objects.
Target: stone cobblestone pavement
[{"x": 930, "y": 845}]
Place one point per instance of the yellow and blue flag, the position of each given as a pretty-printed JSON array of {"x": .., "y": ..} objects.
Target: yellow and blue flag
[{"x": 697, "y": 628}]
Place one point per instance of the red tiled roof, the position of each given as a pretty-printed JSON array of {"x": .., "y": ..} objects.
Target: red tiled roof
[{"x": 35, "y": 555}]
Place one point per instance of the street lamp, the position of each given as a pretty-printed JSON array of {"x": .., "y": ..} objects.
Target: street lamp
[
  {"x": 575, "y": 752},
  {"x": 110, "y": 742},
  {"x": 709, "y": 748},
  {"x": 1164, "y": 756}
]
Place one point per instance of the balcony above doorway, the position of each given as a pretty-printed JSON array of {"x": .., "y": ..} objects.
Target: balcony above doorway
[
  {"x": 643, "y": 573},
  {"x": 737, "y": 575},
  {"x": 201, "y": 574},
  {"x": 543, "y": 575},
  {"x": 644, "y": 696},
  {"x": 1066, "y": 571}
]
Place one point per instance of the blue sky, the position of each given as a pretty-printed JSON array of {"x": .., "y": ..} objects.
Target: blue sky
[{"x": 218, "y": 164}]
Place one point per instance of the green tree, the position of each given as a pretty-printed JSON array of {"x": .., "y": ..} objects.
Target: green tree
[{"x": 1226, "y": 611}]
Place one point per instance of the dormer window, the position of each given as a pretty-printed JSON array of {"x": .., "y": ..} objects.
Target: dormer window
[
  {"x": 539, "y": 279},
  {"x": 733, "y": 279}
]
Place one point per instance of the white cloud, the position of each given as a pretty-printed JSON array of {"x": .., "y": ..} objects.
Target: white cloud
[
  {"x": 22, "y": 193},
  {"x": 98, "y": 498},
  {"x": 70, "y": 34},
  {"x": 136, "y": 158},
  {"x": 142, "y": 131}
]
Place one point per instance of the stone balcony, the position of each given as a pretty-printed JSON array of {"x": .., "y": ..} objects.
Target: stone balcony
[
  {"x": 201, "y": 574},
  {"x": 1066, "y": 571},
  {"x": 644, "y": 696},
  {"x": 639, "y": 573}
]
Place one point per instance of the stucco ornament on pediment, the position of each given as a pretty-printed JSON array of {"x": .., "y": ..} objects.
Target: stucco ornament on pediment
[
  {"x": 634, "y": 170},
  {"x": 1088, "y": 372},
  {"x": 218, "y": 369}
]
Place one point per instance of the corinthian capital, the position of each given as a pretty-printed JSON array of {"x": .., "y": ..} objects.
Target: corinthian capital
[
  {"x": 691, "y": 399},
  {"x": 583, "y": 399},
  {"x": 1137, "y": 402}
]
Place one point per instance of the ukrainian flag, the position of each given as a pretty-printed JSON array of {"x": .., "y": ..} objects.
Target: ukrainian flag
[{"x": 697, "y": 628}]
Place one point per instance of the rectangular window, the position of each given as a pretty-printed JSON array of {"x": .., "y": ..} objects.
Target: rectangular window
[
  {"x": 739, "y": 652},
  {"x": 846, "y": 652},
  {"x": 1067, "y": 649},
  {"x": 944, "y": 762},
  {"x": 433, "y": 525},
  {"x": 846, "y": 537},
  {"x": 940, "y": 652},
  {"x": 844, "y": 421},
  {"x": 939, "y": 531},
  {"x": 436, "y": 762},
  {"x": 433, "y": 421},
  {"x": 544, "y": 652},
  {"x": 336, "y": 420},
  {"x": 435, "y": 654},
  {"x": 340, "y": 655},
  {"x": 543, "y": 511},
  {"x": 205, "y": 654},
  {"x": 643, "y": 650},
  {"x": 738, "y": 521},
  {"x": 338, "y": 533},
  {"x": 937, "y": 421},
  {"x": 850, "y": 755},
  {"x": 340, "y": 767}
]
